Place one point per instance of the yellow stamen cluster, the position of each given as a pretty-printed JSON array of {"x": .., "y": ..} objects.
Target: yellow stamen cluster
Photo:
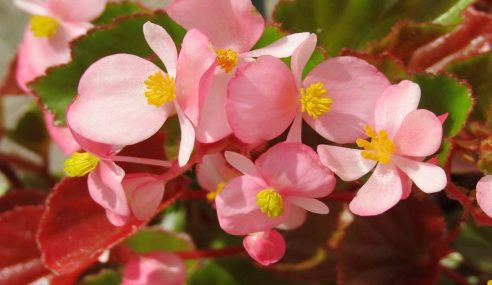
[
  {"x": 380, "y": 148},
  {"x": 227, "y": 59},
  {"x": 270, "y": 202},
  {"x": 160, "y": 89},
  {"x": 314, "y": 101},
  {"x": 43, "y": 26},
  {"x": 80, "y": 163},
  {"x": 212, "y": 195}
]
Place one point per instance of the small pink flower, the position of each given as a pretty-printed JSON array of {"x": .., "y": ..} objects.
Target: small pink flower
[
  {"x": 484, "y": 194},
  {"x": 155, "y": 268},
  {"x": 124, "y": 99},
  {"x": 336, "y": 98},
  {"x": 54, "y": 23},
  {"x": 275, "y": 190},
  {"x": 60, "y": 135},
  {"x": 233, "y": 27},
  {"x": 265, "y": 247},
  {"x": 401, "y": 137},
  {"x": 213, "y": 173}
]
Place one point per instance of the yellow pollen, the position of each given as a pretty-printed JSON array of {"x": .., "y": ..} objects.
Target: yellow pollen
[
  {"x": 80, "y": 163},
  {"x": 160, "y": 89},
  {"x": 314, "y": 101},
  {"x": 380, "y": 148},
  {"x": 43, "y": 26},
  {"x": 212, "y": 195},
  {"x": 227, "y": 59},
  {"x": 270, "y": 202}
]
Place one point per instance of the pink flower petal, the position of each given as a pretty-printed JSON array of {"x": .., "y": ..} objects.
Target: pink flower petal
[
  {"x": 195, "y": 72},
  {"x": 60, "y": 135},
  {"x": 428, "y": 177},
  {"x": 33, "y": 7},
  {"x": 187, "y": 137},
  {"x": 115, "y": 219},
  {"x": 380, "y": 193},
  {"x": 238, "y": 210},
  {"x": 212, "y": 170},
  {"x": 266, "y": 247},
  {"x": 484, "y": 194},
  {"x": 155, "y": 268},
  {"x": 302, "y": 176},
  {"x": 213, "y": 124},
  {"x": 144, "y": 193},
  {"x": 163, "y": 45},
  {"x": 37, "y": 54},
  {"x": 242, "y": 164},
  {"x": 347, "y": 163},
  {"x": 355, "y": 87},
  {"x": 76, "y": 11},
  {"x": 105, "y": 188},
  {"x": 262, "y": 100},
  {"x": 99, "y": 149},
  {"x": 406, "y": 183},
  {"x": 295, "y": 131},
  {"x": 111, "y": 93},
  {"x": 301, "y": 56},
  {"x": 394, "y": 105},
  {"x": 296, "y": 219},
  {"x": 310, "y": 204},
  {"x": 420, "y": 134},
  {"x": 281, "y": 48},
  {"x": 227, "y": 23}
]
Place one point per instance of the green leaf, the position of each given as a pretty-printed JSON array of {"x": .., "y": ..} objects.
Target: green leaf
[
  {"x": 114, "y": 10},
  {"x": 153, "y": 239},
  {"x": 58, "y": 88},
  {"x": 30, "y": 131},
  {"x": 475, "y": 244},
  {"x": 211, "y": 273},
  {"x": 270, "y": 35},
  {"x": 477, "y": 71},
  {"x": 442, "y": 94},
  {"x": 453, "y": 15},
  {"x": 354, "y": 23},
  {"x": 105, "y": 277}
]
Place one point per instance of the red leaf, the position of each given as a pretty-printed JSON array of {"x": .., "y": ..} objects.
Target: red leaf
[
  {"x": 9, "y": 85},
  {"x": 401, "y": 247},
  {"x": 151, "y": 148},
  {"x": 21, "y": 197},
  {"x": 74, "y": 230}
]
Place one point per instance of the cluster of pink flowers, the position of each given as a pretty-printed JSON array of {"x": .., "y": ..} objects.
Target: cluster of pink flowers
[{"x": 219, "y": 87}]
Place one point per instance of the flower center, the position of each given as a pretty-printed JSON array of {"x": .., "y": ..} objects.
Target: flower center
[
  {"x": 314, "y": 101},
  {"x": 380, "y": 148},
  {"x": 160, "y": 89},
  {"x": 270, "y": 202},
  {"x": 212, "y": 195},
  {"x": 227, "y": 59},
  {"x": 43, "y": 26},
  {"x": 80, "y": 163}
]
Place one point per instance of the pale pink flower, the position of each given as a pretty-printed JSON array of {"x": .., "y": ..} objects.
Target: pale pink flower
[
  {"x": 275, "y": 190},
  {"x": 400, "y": 138},
  {"x": 124, "y": 99},
  {"x": 336, "y": 98},
  {"x": 484, "y": 194},
  {"x": 213, "y": 173},
  {"x": 155, "y": 268},
  {"x": 265, "y": 247},
  {"x": 233, "y": 27},
  {"x": 60, "y": 135}
]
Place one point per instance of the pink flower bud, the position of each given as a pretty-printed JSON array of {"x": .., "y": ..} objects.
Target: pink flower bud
[
  {"x": 265, "y": 247},
  {"x": 155, "y": 268}
]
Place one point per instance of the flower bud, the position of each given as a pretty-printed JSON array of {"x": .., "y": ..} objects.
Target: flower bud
[
  {"x": 155, "y": 268},
  {"x": 265, "y": 247}
]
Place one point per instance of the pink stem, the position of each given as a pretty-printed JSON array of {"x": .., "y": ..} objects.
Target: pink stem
[{"x": 148, "y": 161}]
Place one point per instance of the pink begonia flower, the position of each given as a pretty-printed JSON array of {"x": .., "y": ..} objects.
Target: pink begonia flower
[
  {"x": 283, "y": 181},
  {"x": 155, "y": 268},
  {"x": 401, "y": 136},
  {"x": 265, "y": 247},
  {"x": 484, "y": 194},
  {"x": 124, "y": 99},
  {"x": 213, "y": 173},
  {"x": 233, "y": 27},
  {"x": 337, "y": 98},
  {"x": 53, "y": 25},
  {"x": 122, "y": 196}
]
